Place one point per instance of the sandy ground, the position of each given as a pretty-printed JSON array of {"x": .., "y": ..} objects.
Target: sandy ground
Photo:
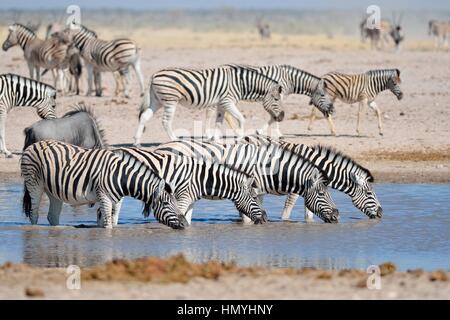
[
  {"x": 414, "y": 127},
  {"x": 24, "y": 282}
]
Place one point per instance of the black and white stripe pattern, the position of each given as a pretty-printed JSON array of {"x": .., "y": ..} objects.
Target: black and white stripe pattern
[
  {"x": 70, "y": 174},
  {"x": 361, "y": 88},
  {"x": 48, "y": 54},
  {"x": 218, "y": 88},
  {"x": 108, "y": 56},
  {"x": 276, "y": 170},
  {"x": 344, "y": 174},
  {"x": 17, "y": 91},
  {"x": 294, "y": 81},
  {"x": 192, "y": 180}
]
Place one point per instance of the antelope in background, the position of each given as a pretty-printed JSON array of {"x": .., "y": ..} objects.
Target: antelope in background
[
  {"x": 382, "y": 37},
  {"x": 440, "y": 31},
  {"x": 263, "y": 30}
]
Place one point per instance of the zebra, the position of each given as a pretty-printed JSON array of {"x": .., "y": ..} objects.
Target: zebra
[
  {"x": 293, "y": 81},
  {"x": 440, "y": 31},
  {"x": 344, "y": 174},
  {"x": 276, "y": 170},
  {"x": 362, "y": 88},
  {"x": 49, "y": 54},
  {"x": 71, "y": 174},
  {"x": 18, "y": 91},
  {"x": 192, "y": 180},
  {"x": 217, "y": 88},
  {"x": 114, "y": 56}
]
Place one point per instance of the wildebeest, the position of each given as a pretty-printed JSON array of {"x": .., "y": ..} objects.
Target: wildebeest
[{"x": 79, "y": 127}]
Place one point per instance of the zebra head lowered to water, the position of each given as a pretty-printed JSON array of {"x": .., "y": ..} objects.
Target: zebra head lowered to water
[
  {"x": 276, "y": 170},
  {"x": 193, "y": 180},
  {"x": 79, "y": 127},
  {"x": 78, "y": 176},
  {"x": 344, "y": 174}
]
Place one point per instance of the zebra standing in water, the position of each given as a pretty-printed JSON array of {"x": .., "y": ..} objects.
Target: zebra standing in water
[
  {"x": 344, "y": 175},
  {"x": 276, "y": 170},
  {"x": 17, "y": 91},
  {"x": 47, "y": 54},
  {"x": 362, "y": 88},
  {"x": 67, "y": 173},
  {"x": 114, "y": 56},
  {"x": 218, "y": 88},
  {"x": 293, "y": 81},
  {"x": 192, "y": 180}
]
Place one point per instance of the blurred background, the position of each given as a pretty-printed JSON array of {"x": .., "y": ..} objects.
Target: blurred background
[{"x": 321, "y": 24}]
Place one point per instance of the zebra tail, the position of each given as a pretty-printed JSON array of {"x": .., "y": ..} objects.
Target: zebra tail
[
  {"x": 30, "y": 138},
  {"x": 26, "y": 204}
]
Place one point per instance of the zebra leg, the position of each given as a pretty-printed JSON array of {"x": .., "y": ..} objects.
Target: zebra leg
[
  {"x": 309, "y": 215},
  {"x": 358, "y": 125},
  {"x": 118, "y": 81},
  {"x": 137, "y": 68},
  {"x": 331, "y": 124},
  {"x": 289, "y": 204},
  {"x": 2, "y": 134},
  {"x": 263, "y": 129},
  {"x": 38, "y": 73},
  {"x": 169, "y": 110},
  {"x": 235, "y": 113},
  {"x": 115, "y": 211},
  {"x": 90, "y": 72},
  {"x": 98, "y": 83},
  {"x": 31, "y": 69},
  {"x": 210, "y": 111},
  {"x": 125, "y": 81},
  {"x": 54, "y": 210},
  {"x": 105, "y": 210},
  {"x": 312, "y": 117},
  {"x": 374, "y": 107}
]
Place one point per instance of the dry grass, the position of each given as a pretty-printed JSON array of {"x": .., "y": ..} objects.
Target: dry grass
[{"x": 409, "y": 155}]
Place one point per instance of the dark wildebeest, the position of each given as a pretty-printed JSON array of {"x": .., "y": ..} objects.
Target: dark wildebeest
[{"x": 78, "y": 127}]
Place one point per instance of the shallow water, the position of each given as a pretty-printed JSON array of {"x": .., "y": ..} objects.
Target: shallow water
[{"x": 414, "y": 233}]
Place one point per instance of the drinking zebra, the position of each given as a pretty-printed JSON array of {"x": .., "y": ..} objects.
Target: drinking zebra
[
  {"x": 17, "y": 91},
  {"x": 218, "y": 88},
  {"x": 362, "y": 88},
  {"x": 344, "y": 174},
  {"x": 192, "y": 180},
  {"x": 48, "y": 54},
  {"x": 276, "y": 170},
  {"x": 440, "y": 31},
  {"x": 293, "y": 81},
  {"x": 78, "y": 126},
  {"x": 67, "y": 173},
  {"x": 107, "y": 56}
]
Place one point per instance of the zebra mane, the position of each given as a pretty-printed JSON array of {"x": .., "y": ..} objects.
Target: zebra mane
[
  {"x": 23, "y": 78},
  {"x": 250, "y": 69},
  {"x": 92, "y": 32},
  {"x": 384, "y": 72},
  {"x": 295, "y": 69},
  {"x": 81, "y": 107},
  {"x": 24, "y": 27},
  {"x": 333, "y": 152}
]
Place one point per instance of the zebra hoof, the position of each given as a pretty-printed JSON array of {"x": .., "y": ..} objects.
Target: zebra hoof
[
  {"x": 137, "y": 145},
  {"x": 8, "y": 155}
]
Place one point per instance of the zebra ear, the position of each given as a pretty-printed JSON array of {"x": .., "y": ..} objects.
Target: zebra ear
[
  {"x": 314, "y": 179},
  {"x": 159, "y": 189},
  {"x": 277, "y": 90},
  {"x": 250, "y": 182},
  {"x": 51, "y": 93}
]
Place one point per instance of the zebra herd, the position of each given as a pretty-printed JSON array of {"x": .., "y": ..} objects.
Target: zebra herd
[{"x": 60, "y": 161}]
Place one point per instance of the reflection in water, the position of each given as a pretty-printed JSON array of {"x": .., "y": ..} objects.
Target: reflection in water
[{"x": 412, "y": 234}]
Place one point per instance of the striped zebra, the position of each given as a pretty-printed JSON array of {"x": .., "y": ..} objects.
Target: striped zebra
[
  {"x": 48, "y": 54},
  {"x": 115, "y": 56},
  {"x": 192, "y": 180},
  {"x": 344, "y": 174},
  {"x": 293, "y": 81},
  {"x": 218, "y": 88},
  {"x": 67, "y": 173},
  {"x": 362, "y": 88},
  {"x": 17, "y": 91},
  {"x": 276, "y": 170},
  {"x": 440, "y": 31}
]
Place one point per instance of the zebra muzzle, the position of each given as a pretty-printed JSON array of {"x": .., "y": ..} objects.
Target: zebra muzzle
[{"x": 279, "y": 117}]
